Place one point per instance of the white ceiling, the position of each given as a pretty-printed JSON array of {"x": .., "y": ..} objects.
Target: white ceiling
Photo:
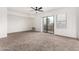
[{"x": 29, "y": 10}]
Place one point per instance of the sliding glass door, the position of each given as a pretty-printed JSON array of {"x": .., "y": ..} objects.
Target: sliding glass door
[
  {"x": 45, "y": 25},
  {"x": 48, "y": 24}
]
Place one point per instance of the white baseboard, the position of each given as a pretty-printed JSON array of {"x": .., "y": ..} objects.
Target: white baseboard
[{"x": 3, "y": 36}]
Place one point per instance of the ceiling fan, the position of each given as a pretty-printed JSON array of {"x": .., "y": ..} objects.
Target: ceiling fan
[{"x": 37, "y": 9}]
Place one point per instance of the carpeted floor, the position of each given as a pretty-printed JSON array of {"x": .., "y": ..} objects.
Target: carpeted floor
[{"x": 37, "y": 41}]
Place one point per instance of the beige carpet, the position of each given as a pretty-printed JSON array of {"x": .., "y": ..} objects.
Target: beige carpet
[{"x": 37, "y": 41}]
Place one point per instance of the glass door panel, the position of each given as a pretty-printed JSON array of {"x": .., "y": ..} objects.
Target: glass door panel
[
  {"x": 48, "y": 24},
  {"x": 45, "y": 28}
]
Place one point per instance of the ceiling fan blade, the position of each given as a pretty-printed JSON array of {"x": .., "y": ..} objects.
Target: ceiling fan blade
[
  {"x": 40, "y": 10},
  {"x": 33, "y": 8},
  {"x": 40, "y": 7}
]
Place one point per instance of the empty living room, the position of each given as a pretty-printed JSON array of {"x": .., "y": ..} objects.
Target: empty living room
[{"x": 39, "y": 29}]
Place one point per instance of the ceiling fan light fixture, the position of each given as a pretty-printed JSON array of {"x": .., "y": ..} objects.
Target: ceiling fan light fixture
[{"x": 37, "y": 9}]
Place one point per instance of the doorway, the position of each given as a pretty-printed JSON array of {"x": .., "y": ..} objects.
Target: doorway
[{"x": 48, "y": 24}]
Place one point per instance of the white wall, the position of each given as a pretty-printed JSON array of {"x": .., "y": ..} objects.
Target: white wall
[
  {"x": 70, "y": 31},
  {"x": 71, "y": 22},
  {"x": 37, "y": 23},
  {"x": 19, "y": 22},
  {"x": 3, "y": 22},
  {"x": 77, "y": 23}
]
